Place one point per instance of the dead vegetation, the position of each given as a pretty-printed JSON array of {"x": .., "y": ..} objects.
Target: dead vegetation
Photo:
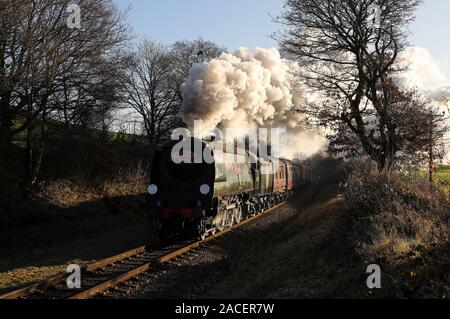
[
  {"x": 397, "y": 224},
  {"x": 345, "y": 222},
  {"x": 89, "y": 186},
  {"x": 307, "y": 255},
  {"x": 76, "y": 169}
]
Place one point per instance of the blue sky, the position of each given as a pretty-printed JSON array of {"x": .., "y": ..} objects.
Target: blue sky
[{"x": 235, "y": 23}]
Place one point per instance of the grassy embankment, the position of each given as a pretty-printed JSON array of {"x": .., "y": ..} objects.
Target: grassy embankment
[
  {"x": 88, "y": 203},
  {"x": 309, "y": 257},
  {"x": 366, "y": 219}
]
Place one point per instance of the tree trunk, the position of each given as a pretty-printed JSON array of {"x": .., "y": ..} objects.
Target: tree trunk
[
  {"x": 29, "y": 158},
  {"x": 6, "y": 133},
  {"x": 5, "y": 142},
  {"x": 42, "y": 142},
  {"x": 151, "y": 142},
  {"x": 38, "y": 165},
  {"x": 29, "y": 148}
]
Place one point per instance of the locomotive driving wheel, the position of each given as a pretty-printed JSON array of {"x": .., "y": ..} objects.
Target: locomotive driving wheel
[
  {"x": 201, "y": 228},
  {"x": 237, "y": 215}
]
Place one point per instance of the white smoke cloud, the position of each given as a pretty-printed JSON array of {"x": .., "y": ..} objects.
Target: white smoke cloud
[
  {"x": 253, "y": 88},
  {"x": 425, "y": 75},
  {"x": 300, "y": 143},
  {"x": 248, "y": 89}
]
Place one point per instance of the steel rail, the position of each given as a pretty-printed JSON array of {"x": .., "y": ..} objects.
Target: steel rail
[
  {"x": 107, "y": 284},
  {"x": 46, "y": 283},
  {"x": 164, "y": 259}
]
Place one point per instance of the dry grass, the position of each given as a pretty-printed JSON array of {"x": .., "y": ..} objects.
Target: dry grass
[
  {"x": 89, "y": 202},
  {"x": 88, "y": 191},
  {"x": 72, "y": 192},
  {"x": 400, "y": 226},
  {"x": 23, "y": 276},
  {"x": 125, "y": 232},
  {"x": 306, "y": 256},
  {"x": 66, "y": 219}
]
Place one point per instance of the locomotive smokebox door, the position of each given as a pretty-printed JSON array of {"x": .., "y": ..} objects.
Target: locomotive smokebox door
[{"x": 181, "y": 187}]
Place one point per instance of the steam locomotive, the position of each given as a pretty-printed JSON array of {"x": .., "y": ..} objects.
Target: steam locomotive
[{"x": 193, "y": 199}]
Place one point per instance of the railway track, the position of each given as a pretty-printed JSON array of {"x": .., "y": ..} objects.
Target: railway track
[{"x": 100, "y": 276}]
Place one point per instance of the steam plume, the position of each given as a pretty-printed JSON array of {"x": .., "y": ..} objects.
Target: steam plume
[{"x": 248, "y": 89}]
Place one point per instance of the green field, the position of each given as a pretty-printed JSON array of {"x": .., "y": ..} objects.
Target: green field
[
  {"x": 20, "y": 138},
  {"x": 442, "y": 176},
  {"x": 443, "y": 172}
]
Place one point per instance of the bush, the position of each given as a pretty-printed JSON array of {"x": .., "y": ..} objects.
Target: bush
[{"x": 402, "y": 227}]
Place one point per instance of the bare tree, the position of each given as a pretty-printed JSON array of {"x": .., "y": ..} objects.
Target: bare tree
[
  {"x": 420, "y": 129},
  {"x": 349, "y": 52},
  {"x": 153, "y": 82},
  {"x": 151, "y": 89},
  {"x": 49, "y": 71},
  {"x": 186, "y": 53}
]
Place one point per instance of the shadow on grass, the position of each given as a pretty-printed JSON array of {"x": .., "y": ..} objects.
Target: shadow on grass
[
  {"x": 91, "y": 230},
  {"x": 300, "y": 251}
]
